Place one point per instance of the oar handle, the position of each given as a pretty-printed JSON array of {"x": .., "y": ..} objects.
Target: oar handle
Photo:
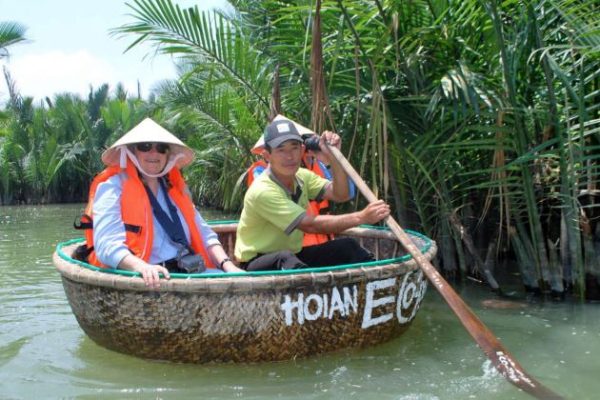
[{"x": 487, "y": 341}]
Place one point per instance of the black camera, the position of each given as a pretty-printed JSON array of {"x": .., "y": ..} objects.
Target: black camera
[
  {"x": 189, "y": 262},
  {"x": 311, "y": 142}
]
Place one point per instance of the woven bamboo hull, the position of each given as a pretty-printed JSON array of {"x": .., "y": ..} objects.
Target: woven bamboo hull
[{"x": 249, "y": 319}]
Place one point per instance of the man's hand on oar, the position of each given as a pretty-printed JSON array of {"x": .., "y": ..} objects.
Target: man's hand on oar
[{"x": 376, "y": 211}]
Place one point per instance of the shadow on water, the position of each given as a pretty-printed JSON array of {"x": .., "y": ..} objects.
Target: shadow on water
[{"x": 44, "y": 353}]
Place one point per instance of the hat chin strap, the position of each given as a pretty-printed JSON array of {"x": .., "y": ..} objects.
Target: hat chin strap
[{"x": 126, "y": 152}]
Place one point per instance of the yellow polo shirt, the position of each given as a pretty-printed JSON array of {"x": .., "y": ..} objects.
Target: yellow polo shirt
[{"x": 271, "y": 214}]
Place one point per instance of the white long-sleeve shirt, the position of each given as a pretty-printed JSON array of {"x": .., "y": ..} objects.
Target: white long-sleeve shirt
[{"x": 109, "y": 230}]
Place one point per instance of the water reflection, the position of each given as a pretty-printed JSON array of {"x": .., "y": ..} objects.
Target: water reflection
[{"x": 44, "y": 353}]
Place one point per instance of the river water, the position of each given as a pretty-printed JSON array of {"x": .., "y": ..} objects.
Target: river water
[{"x": 44, "y": 353}]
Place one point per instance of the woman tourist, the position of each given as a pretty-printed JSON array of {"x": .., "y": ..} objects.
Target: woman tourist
[{"x": 140, "y": 216}]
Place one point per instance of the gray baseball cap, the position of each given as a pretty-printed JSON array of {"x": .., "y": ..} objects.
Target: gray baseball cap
[{"x": 281, "y": 130}]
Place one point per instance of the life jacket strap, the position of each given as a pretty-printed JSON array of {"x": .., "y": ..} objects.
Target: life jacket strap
[
  {"x": 132, "y": 228},
  {"x": 83, "y": 222}
]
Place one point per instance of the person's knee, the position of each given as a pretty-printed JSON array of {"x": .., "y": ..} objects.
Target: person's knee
[
  {"x": 288, "y": 260},
  {"x": 286, "y": 254},
  {"x": 360, "y": 254},
  {"x": 350, "y": 244}
]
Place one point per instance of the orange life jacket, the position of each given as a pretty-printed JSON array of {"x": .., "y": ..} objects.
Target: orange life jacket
[
  {"x": 136, "y": 212},
  {"x": 315, "y": 207},
  {"x": 250, "y": 172}
]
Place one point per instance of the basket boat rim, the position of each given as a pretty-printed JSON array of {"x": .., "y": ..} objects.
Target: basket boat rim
[{"x": 82, "y": 272}]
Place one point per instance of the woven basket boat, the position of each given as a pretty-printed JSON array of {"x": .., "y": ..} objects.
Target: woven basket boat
[{"x": 251, "y": 317}]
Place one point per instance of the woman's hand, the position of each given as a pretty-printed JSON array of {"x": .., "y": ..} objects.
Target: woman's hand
[
  {"x": 218, "y": 254},
  {"x": 229, "y": 266},
  {"x": 150, "y": 274}
]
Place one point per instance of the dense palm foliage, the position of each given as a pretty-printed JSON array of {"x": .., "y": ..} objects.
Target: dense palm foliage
[
  {"x": 478, "y": 120},
  {"x": 50, "y": 152}
]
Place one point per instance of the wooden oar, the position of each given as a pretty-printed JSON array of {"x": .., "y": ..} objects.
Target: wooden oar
[{"x": 487, "y": 341}]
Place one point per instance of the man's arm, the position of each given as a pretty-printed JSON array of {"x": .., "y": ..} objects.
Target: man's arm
[
  {"x": 338, "y": 190},
  {"x": 371, "y": 214}
]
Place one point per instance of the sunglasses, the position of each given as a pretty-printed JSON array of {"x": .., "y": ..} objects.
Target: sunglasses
[{"x": 145, "y": 147}]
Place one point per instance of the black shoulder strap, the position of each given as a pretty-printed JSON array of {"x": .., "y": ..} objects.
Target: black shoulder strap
[
  {"x": 83, "y": 222},
  {"x": 171, "y": 225},
  {"x": 296, "y": 195}
]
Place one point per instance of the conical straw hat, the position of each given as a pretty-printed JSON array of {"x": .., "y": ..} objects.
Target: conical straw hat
[
  {"x": 259, "y": 146},
  {"x": 149, "y": 131}
]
